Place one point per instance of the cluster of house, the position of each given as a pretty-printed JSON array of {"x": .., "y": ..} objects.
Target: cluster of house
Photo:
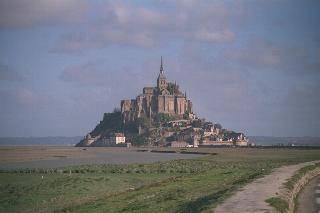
[
  {"x": 206, "y": 135},
  {"x": 179, "y": 133}
]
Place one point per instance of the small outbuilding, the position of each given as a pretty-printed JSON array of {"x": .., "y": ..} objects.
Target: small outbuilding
[{"x": 179, "y": 144}]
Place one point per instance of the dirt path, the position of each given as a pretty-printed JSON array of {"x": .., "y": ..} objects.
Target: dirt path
[{"x": 251, "y": 198}]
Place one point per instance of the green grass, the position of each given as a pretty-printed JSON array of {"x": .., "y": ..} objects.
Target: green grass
[
  {"x": 279, "y": 204},
  {"x": 32, "y": 193},
  {"x": 195, "y": 185}
]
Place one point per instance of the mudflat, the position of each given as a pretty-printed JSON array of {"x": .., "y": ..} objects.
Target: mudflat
[{"x": 52, "y": 156}]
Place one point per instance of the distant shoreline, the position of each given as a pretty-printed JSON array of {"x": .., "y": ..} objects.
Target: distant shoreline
[{"x": 305, "y": 141}]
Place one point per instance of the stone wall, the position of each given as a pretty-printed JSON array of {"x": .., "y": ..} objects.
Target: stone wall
[{"x": 180, "y": 105}]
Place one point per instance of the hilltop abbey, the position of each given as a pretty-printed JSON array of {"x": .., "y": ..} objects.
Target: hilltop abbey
[
  {"x": 164, "y": 98},
  {"x": 160, "y": 116}
]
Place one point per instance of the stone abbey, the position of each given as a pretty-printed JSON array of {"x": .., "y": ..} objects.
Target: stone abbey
[
  {"x": 160, "y": 116},
  {"x": 164, "y": 98}
]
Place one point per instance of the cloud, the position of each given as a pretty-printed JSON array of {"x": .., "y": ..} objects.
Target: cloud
[
  {"x": 8, "y": 74},
  {"x": 261, "y": 54},
  {"x": 94, "y": 86},
  {"x": 16, "y": 99},
  {"x": 20, "y": 13},
  {"x": 126, "y": 24},
  {"x": 98, "y": 75},
  {"x": 220, "y": 36},
  {"x": 85, "y": 74},
  {"x": 235, "y": 94}
]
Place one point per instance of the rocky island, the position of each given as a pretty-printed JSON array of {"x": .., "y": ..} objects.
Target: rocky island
[{"x": 160, "y": 116}]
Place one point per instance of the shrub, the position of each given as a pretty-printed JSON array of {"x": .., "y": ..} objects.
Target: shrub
[{"x": 278, "y": 203}]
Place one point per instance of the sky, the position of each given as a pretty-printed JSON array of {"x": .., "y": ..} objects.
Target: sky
[{"x": 253, "y": 66}]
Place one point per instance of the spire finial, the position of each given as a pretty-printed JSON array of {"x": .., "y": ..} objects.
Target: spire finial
[{"x": 161, "y": 66}]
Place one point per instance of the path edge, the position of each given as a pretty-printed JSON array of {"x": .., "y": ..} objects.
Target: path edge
[{"x": 290, "y": 195}]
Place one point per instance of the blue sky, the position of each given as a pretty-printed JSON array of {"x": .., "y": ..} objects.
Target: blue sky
[{"x": 253, "y": 66}]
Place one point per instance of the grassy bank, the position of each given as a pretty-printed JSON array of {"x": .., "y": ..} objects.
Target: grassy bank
[
  {"x": 287, "y": 201},
  {"x": 176, "y": 186},
  {"x": 294, "y": 179}
]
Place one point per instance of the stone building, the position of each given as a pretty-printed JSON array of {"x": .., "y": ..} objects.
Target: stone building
[
  {"x": 113, "y": 140},
  {"x": 118, "y": 138},
  {"x": 179, "y": 144},
  {"x": 164, "y": 98}
]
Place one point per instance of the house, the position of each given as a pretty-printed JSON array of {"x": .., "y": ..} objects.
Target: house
[
  {"x": 237, "y": 137},
  {"x": 196, "y": 140},
  {"x": 118, "y": 138},
  {"x": 89, "y": 139},
  {"x": 179, "y": 123},
  {"x": 115, "y": 139},
  {"x": 216, "y": 143},
  {"x": 209, "y": 130}
]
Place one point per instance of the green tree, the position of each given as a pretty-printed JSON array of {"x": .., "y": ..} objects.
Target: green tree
[
  {"x": 218, "y": 126},
  {"x": 186, "y": 115},
  {"x": 139, "y": 140},
  {"x": 144, "y": 122},
  {"x": 111, "y": 122},
  {"x": 163, "y": 118},
  {"x": 196, "y": 124}
]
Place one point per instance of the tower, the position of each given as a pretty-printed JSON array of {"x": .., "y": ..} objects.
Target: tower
[{"x": 161, "y": 81}]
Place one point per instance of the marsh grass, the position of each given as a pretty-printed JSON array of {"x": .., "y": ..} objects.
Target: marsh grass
[{"x": 195, "y": 185}]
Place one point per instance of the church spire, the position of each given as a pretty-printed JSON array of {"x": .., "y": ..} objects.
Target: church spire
[
  {"x": 161, "y": 81},
  {"x": 161, "y": 67}
]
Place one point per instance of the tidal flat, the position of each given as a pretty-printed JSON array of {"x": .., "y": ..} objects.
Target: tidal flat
[
  {"x": 174, "y": 185},
  {"x": 33, "y": 157}
]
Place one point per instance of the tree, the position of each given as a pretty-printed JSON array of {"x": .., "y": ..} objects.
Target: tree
[
  {"x": 139, "y": 140},
  {"x": 111, "y": 122},
  {"x": 218, "y": 126},
  {"x": 196, "y": 123},
  {"x": 171, "y": 138},
  {"x": 162, "y": 118},
  {"x": 144, "y": 122},
  {"x": 186, "y": 115}
]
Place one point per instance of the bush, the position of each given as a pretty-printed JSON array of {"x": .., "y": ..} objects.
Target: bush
[
  {"x": 196, "y": 124},
  {"x": 139, "y": 140},
  {"x": 278, "y": 203},
  {"x": 163, "y": 118}
]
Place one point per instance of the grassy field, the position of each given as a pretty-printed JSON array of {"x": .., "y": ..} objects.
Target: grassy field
[{"x": 193, "y": 185}]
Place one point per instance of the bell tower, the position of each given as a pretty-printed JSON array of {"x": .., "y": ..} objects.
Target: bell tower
[{"x": 162, "y": 80}]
